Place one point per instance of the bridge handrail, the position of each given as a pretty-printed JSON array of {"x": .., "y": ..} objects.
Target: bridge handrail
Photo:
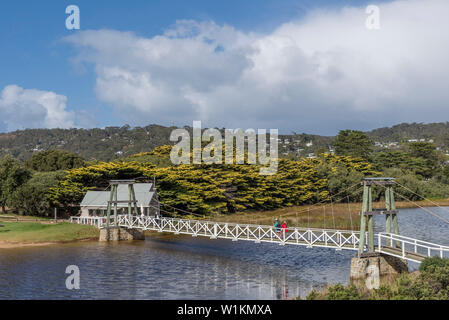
[
  {"x": 100, "y": 222},
  {"x": 413, "y": 241},
  {"x": 94, "y": 221},
  {"x": 259, "y": 225},
  {"x": 330, "y": 238},
  {"x": 243, "y": 225},
  {"x": 89, "y": 218}
]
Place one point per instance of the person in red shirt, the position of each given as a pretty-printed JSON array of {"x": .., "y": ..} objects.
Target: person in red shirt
[{"x": 284, "y": 228}]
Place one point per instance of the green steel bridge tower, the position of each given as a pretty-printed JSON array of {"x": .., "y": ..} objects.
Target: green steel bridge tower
[
  {"x": 113, "y": 201},
  {"x": 367, "y": 213}
]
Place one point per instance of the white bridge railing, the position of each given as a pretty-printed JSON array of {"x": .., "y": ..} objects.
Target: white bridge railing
[
  {"x": 409, "y": 248},
  {"x": 327, "y": 238},
  {"x": 387, "y": 243},
  {"x": 99, "y": 222}
]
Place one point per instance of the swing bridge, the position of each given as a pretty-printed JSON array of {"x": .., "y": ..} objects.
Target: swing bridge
[{"x": 365, "y": 241}]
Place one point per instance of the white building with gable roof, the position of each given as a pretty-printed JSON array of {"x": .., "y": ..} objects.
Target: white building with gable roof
[{"x": 95, "y": 203}]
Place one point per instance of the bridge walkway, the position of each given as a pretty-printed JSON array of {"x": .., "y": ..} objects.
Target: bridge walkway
[{"x": 387, "y": 243}]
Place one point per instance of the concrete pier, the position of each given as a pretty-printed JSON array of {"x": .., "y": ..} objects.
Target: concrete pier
[
  {"x": 121, "y": 234},
  {"x": 373, "y": 267}
]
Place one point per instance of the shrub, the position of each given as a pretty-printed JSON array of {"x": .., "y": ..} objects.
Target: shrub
[
  {"x": 339, "y": 292},
  {"x": 431, "y": 283},
  {"x": 433, "y": 262}
]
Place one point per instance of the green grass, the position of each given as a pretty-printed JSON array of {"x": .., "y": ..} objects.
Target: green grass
[{"x": 29, "y": 232}]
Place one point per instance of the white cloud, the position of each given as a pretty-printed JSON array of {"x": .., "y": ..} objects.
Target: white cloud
[
  {"x": 320, "y": 74},
  {"x": 28, "y": 108}
]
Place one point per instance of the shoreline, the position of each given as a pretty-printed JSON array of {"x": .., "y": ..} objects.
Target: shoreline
[
  {"x": 288, "y": 213},
  {"x": 13, "y": 245},
  {"x": 37, "y": 234}
]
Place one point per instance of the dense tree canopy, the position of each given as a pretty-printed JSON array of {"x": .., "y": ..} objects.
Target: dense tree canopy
[
  {"x": 32, "y": 198},
  {"x": 12, "y": 176},
  {"x": 208, "y": 189},
  {"x": 353, "y": 143},
  {"x": 54, "y": 160}
]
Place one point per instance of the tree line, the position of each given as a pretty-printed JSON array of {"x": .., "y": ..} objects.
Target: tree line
[
  {"x": 24, "y": 187},
  {"x": 57, "y": 178},
  {"x": 418, "y": 165}
]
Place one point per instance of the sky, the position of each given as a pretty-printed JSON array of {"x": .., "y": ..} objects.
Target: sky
[{"x": 297, "y": 66}]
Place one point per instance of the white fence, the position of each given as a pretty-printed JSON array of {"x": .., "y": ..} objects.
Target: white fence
[
  {"x": 99, "y": 222},
  {"x": 387, "y": 243},
  {"x": 327, "y": 238},
  {"x": 409, "y": 248}
]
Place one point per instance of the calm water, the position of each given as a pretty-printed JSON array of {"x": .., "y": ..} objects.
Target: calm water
[{"x": 182, "y": 267}]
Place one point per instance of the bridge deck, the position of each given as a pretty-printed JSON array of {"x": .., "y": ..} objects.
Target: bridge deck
[
  {"x": 386, "y": 243},
  {"x": 397, "y": 252}
]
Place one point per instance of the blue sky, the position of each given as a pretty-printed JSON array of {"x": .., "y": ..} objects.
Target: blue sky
[{"x": 37, "y": 55}]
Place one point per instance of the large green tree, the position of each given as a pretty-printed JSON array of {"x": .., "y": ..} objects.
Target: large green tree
[
  {"x": 12, "y": 176},
  {"x": 53, "y": 160},
  {"x": 353, "y": 143},
  {"x": 427, "y": 154},
  {"x": 31, "y": 198},
  {"x": 424, "y": 150}
]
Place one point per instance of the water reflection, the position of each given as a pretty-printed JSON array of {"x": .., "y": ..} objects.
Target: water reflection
[{"x": 181, "y": 267}]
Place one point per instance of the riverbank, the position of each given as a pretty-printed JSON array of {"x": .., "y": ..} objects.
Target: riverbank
[
  {"x": 22, "y": 234},
  {"x": 431, "y": 282},
  {"x": 343, "y": 216},
  {"x": 32, "y": 231}
]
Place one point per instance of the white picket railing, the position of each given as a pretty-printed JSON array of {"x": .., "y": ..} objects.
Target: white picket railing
[
  {"x": 386, "y": 243},
  {"x": 409, "y": 248},
  {"x": 99, "y": 222},
  {"x": 309, "y": 237}
]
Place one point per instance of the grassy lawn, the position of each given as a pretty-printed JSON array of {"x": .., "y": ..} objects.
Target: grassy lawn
[{"x": 30, "y": 232}]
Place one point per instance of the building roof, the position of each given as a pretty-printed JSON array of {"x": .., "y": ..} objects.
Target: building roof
[{"x": 101, "y": 198}]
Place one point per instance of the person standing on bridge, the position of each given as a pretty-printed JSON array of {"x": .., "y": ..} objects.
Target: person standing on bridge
[
  {"x": 277, "y": 226},
  {"x": 284, "y": 228}
]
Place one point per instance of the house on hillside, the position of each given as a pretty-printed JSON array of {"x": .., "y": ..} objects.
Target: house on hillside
[{"x": 95, "y": 203}]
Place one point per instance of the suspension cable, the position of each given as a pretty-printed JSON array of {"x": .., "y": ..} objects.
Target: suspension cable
[
  {"x": 308, "y": 217},
  {"x": 196, "y": 214},
  {"x": 324, "y": 220},
  {"x": 350, "y": 214},
  {"x": 171, "y": 207},
  {"x": 416, "y": 204},
  {"x": 315, "y": 206},
  {"x": 423, "y": 208},
  {"x": 334, "y": 195},
  {"x": 332, "y": 208},
  {"x": 416, "y": 194}
]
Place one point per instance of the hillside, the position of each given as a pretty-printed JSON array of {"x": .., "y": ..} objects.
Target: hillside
[
  {"x": 117, "y": 142},
  {"x": 439, "y": 132},
  {"x": 99, "y": 144}
]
